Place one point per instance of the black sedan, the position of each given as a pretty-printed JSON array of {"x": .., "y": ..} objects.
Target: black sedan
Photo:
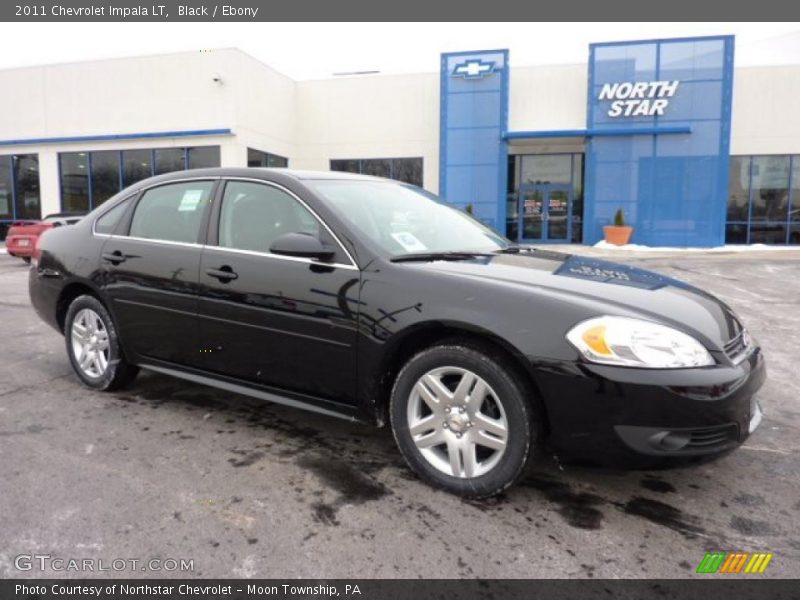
[{"x": 368, "y": 299}]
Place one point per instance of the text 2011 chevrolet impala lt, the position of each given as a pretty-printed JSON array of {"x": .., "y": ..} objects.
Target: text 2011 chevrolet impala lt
[{"x": 366, "y": 298}]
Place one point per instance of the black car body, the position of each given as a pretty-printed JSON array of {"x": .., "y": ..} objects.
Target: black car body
[{"x": 332, "y": 334}]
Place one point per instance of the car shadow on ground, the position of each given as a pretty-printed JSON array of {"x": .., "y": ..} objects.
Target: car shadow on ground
[{"x": 360, "y": 463}]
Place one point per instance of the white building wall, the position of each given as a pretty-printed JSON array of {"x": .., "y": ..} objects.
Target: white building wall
[
  {"x": 128, "y": 95},
  {"x": 765, "y": 115},
  {"x": 380, "y": 116},
  {"x": 547, "y": 98},
  {"x": 218, "y": 89}
]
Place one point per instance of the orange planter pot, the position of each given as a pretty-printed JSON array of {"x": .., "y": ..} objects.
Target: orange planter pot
[{"x": 619, "y": 236}]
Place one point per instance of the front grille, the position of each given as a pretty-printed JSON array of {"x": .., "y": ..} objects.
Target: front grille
[
  {"x": 708, "y": 438},
  {"x": 737, "y": 348}
]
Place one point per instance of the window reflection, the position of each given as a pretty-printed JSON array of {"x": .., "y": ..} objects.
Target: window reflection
[
  {"x": 203, "y": 157},
  {"x": 105, "y": 175},
  {"x": 136, "y": 165},
  {"x": 74, "y": 181},
  {"x": 545, "y": 170},
  {"x": 770, "y": 188},
  {"x": 90, "y": 178},
  {"x": 169, "y": 160},
  {"x": 407, "y": 170},
  {"x": 26, "y": 192},
  {"x": 6, "y": 193},
  {"x": 258, "y": 158},
  {"x": 763, "y": 200}
]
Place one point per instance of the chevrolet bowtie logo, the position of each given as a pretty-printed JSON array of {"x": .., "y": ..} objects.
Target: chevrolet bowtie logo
[{"x": 474, "y": 69}]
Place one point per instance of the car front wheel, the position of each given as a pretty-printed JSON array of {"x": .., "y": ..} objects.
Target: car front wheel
[
  {"x": 463, "y": 419},
  {"x": 93, "y": 346}
]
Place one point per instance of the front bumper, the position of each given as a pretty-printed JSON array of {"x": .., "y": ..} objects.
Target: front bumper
[{"x": 604, "y": 414}]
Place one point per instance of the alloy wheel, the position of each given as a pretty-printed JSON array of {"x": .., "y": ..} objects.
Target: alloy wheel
[
  {"x": 457, "y": 422},
  {"x": 90, "y": 344}
]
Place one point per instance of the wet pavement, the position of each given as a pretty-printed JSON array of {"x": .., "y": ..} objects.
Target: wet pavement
[{"x": 167, "y": 469}]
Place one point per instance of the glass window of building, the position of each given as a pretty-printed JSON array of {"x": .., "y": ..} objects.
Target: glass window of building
[
  {"x": 169, "y": 160},
  {"x": 546, "y": 168},
  {"x": 27, "y": 198},
  {"x": 105, "y": 175},
  {"x": 203, "y": 157},
  {"x": 377, "y": 167},
  {"x": 74, "y": 181},
  {"x": 257, "y": 158},
  {"x": 763, "y": 200},
  {"x": 136, "y": 165},
  {"x": 407, "y": 170},
  {"x": 6, "y": 189},
  {"x": 90, "y": 178},
  {"x": 346, "y": 166},
  {"x": 545, "y": 198}
]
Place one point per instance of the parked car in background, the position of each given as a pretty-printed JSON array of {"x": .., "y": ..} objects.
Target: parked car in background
[
  {"x": 23, "y": 235},
  {"x": 368, "y": 299}
]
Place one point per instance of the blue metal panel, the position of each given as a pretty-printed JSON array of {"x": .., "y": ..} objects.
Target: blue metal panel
[
  {"x": 115, "y": 136},
  {"x": 606, "y": 132},
  {"x": 672, "y": 188},
  {"x": 473, "y": 154}
]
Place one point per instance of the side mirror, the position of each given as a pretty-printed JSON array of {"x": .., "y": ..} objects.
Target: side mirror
[{"x": 301, "y": 245}]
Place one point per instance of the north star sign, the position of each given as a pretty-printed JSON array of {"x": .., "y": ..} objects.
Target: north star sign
[{"x": 638, "y": 99}]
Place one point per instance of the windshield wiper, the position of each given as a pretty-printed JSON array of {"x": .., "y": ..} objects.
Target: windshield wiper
[
  {"x": 509, "y": 250},
  {"x": 428, "y": 256}
]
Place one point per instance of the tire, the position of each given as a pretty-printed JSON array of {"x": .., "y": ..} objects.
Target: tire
[
  {"x": 27, "y": 259},
  {"x": 429, "y": 435},
  {"x": 91, "y": 336}
]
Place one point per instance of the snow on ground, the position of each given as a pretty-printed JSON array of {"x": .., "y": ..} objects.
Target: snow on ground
[{"x": 603, "y": 245}]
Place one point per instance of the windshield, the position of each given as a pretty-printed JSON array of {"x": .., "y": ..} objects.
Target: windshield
[{"x": 406, "y": 220}]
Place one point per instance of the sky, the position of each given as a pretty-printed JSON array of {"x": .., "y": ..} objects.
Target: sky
[{"x": 318, "y": 50}]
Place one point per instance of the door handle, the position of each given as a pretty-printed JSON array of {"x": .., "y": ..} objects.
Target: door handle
[
  {"x": 224, "y": 274},
  {"x": 116, "y": 257}
]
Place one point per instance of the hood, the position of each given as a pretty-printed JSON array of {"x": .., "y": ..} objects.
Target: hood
[{"x": 613, "y": 288}]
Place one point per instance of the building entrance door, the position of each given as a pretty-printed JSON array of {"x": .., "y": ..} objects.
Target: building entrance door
[{"x": 545, "y": 213}]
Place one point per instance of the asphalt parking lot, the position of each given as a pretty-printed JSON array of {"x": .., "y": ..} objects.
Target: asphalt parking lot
[{"x": 167, "y": 469}]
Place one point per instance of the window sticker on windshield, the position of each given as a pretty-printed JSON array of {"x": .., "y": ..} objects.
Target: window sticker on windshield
[
  {"x": 409, "y": 242},
  {"x": 190, "y": 201}
]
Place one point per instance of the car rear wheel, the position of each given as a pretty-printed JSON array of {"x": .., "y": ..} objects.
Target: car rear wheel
[
  {"x": 93, "y": 346},
  {"x": 464, "y": 420},
  {"x": 27, "y": 259}
]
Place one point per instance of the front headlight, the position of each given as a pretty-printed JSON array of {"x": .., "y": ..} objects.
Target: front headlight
[{"x": 637, "y": 343}]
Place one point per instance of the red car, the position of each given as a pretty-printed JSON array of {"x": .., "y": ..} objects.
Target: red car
[{"x": 22, "y": 235}]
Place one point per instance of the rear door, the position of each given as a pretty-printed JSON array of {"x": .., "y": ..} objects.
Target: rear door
[
  {"x": 279, "y": 321},
  {"x": 151, "y": 270}
]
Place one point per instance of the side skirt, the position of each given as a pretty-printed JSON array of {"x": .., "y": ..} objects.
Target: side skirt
[{"x": 310, "y": 403}]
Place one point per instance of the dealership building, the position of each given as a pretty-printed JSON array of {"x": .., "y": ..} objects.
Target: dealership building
[{"x": 694, "y": 150}]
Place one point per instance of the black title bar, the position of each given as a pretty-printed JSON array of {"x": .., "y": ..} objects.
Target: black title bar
[
  {"x": 706, "y": 587},
  {"x": 405, "y": 10}
]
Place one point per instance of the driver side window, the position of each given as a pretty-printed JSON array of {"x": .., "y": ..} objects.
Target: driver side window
[{"x": 254, "y": 214}]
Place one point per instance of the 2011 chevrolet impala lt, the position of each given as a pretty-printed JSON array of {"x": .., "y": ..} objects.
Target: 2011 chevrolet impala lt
[{"x": 370, "y": 299}]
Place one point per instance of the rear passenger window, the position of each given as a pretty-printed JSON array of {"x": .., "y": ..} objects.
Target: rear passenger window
[
  {"x": 108, "y": 222},
  {"x": 253, "y": 215},
  {"x": 172, "y": 212}
]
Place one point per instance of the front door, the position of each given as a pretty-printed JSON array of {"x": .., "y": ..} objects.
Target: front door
[
  {"x": 544, "y": 213},
  {"x": 283, "y": 322}
]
